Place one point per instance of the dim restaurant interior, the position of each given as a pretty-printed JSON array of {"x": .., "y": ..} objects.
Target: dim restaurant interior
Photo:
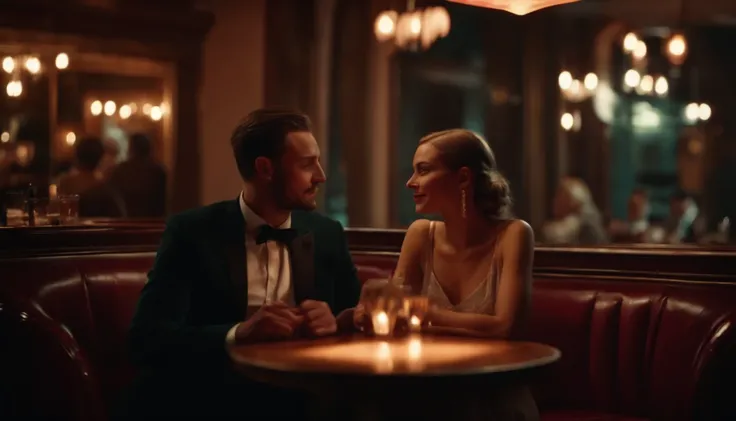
[{"x": 608, "y": 120}]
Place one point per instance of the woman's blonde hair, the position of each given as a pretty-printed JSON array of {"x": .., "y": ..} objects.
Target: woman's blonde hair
[{"x": 463, "y": 148}]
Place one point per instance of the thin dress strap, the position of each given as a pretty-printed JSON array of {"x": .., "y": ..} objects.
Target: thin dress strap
[{"x": 428, "y": 257}]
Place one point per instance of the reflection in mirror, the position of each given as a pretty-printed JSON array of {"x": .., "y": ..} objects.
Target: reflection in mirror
[
  {"x": 652, "y": 91},
  {"x": 90, "y": 125}
]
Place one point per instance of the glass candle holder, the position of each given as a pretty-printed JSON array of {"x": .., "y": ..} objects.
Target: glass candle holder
[
  {"x": 383, "y": 302},
  {"x": 415, "y": 310}
]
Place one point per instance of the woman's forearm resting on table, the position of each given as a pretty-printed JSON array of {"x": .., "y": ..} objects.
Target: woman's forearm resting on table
[{"x": 471, "y": 323}]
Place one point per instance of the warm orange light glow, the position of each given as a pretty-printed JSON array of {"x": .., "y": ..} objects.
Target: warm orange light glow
[
  {"x": 384, "y": 356},
  {"x": 517, "y": 7},
  {"x": 676, "y": 49}
]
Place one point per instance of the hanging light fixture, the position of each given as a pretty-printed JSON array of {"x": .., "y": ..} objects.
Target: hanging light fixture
[
  {"x": 413, "y": 29},
  {"x": 517, "y": 7}
]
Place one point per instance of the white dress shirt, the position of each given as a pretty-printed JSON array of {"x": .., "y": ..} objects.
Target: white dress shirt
[
  {"x": 269, "y": 270},
  {"x": 268, "y": 265}
]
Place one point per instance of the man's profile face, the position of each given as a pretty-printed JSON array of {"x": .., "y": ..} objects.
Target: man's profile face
[{"x": 298, "y": 173}]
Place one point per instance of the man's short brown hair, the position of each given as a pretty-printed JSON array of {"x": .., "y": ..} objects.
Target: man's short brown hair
[{"x": 263, "y": 133}]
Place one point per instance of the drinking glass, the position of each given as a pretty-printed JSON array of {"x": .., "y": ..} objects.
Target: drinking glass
[{"x": 68, "y": 208}]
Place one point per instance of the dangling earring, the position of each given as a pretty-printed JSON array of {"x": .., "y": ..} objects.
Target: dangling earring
[{"x": 464, "y": 206}]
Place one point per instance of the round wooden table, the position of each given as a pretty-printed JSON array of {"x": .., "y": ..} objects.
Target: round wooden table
[{"x": 385, "y": 374}]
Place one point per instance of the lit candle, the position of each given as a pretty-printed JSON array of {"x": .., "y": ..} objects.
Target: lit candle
[
  {"x": 415, "y": 322},
  {"x": 380, "y": 323},
  {"x": 52, "y": 191}
]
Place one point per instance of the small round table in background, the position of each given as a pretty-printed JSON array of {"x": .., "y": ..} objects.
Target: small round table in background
[{"x": 397, "y": 375}]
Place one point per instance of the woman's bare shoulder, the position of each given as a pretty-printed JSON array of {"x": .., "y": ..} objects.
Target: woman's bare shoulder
[
  {"x": 418, "y": 231},
  {"x": 517, "y": 234}
]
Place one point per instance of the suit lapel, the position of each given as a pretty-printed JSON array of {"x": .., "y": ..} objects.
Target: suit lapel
[
  {"x": 234, "y": 233},
  {"x": 301, "y": 255}
]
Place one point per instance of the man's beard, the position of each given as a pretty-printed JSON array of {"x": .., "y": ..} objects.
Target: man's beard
[{"x": 282, "y": 199}]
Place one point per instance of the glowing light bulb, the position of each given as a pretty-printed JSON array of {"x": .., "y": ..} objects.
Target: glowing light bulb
[
  {"x": 565, "y": 80},
  {"x": 33, "y": 65},
  {"x": 110, "y": 108},
  {"x": 62, "y": 61},
  {"x": 385, "y": 25},
  {"x": 96, "y": 108},
  {"x": 125, "y": 111},
  {"x": 630, "y": 42},
  {"x": 8, "y": 64},
  {"x": 71, "y": 138},
  {"x": 156, "y": 113}
]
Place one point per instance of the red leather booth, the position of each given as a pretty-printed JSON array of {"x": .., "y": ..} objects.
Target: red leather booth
[{"x": 633, "y": 348}]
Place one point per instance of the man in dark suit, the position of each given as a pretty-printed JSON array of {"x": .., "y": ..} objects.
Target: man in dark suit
[{"x": 261, "y": 267}]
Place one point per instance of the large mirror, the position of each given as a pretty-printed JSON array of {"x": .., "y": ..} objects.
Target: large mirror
[{"x": 73, "y": 121}]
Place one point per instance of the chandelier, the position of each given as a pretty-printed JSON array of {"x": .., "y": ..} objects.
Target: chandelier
[
  {"x": 517, "y": 7},
  {"x": 413, "y": 29}
]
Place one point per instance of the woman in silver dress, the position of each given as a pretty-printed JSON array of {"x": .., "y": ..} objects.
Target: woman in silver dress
[{"x": 476, "y": 264}]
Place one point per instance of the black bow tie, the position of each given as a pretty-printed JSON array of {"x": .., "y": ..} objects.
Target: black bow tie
[{"x": 269, "y": 233}]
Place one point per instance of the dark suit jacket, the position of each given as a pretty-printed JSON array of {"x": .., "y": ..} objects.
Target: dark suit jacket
[{"x": 197, "y": 291}]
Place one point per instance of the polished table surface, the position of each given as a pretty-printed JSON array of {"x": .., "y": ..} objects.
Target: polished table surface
[
  {"x": 422, "y": 377},
  {"x": 420, "y": 356}
]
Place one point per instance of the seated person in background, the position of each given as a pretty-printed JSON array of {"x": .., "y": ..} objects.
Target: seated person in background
[
  {"x": 140, "y": 180},
  {"x": 110, "y": 158},
  {"x": 680, "y": 226},
  {"x": 96, "y": 197},
  {"x": 260, "y": 267},
  {"x": 475, "y": 265},
  {"x": 636, "y": 229},
  {"x": 576, "y": 218},
  {"x": 84, "y": 173}
]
